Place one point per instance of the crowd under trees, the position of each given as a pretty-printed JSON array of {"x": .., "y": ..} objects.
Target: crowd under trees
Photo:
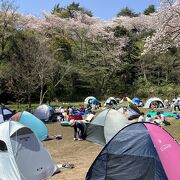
[{"x": 70, "y": 54}]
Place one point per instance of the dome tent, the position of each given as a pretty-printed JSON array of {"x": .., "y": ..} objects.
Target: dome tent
[
  {"x": 45, "y": 113},
  {"x": 138, "y": 151},
  {"x": 32, "y": 122},
  {"x": 87, "y": 100},
  {"x": 153, "y": 100},
  {"x": 22, "y": 156},
  {"x": 110, "y": 101},
  {"x": 5, "y": 113},
  {"x": 137, "y": 101},
  {"x": 105, "y": 125}
]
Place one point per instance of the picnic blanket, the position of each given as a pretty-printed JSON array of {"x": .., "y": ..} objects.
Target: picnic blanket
[{"x": 166, "y": 114}]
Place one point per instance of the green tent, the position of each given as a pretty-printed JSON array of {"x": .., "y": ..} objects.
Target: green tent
[{"x": 105, "y": 125}]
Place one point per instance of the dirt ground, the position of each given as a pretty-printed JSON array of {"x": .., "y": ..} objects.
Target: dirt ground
[{"x": 80, "y": 153}]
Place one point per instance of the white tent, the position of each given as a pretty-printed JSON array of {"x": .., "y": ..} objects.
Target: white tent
[
  {"x": 86, "y": 101},
  {"x": 22, "y": 156},
  {"x": 154, "y": 100},
  {"x": 43, "y": 112},
  {"x": 110, "y": 101}
]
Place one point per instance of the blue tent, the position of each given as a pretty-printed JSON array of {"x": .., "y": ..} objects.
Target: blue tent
[
  {"x": 136, "y": 100},
  {"x": 94, "y": 101},
  {"x": 35, "y": 124}
]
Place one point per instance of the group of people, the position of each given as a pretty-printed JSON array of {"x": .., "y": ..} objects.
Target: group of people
[
  {"x": 175, "y": 105},
  {"x": 78, "y": 125},
  {"x": 66, "y": 114},
  {"x": 74, "y": 116},
  {"x": 156, "y": 105},
  {"x": 159, "y": 119}
]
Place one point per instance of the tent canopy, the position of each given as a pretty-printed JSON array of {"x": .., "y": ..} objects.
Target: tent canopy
[
  {"x": 32, "y": 122},
  {"x": 5, "y": 113},
  {"x": 105, "y": 125},
  {"x": 22, "y": 156},
  {"x": 110, "y": 101},
  {"x": 157, "y": 101},
  {"x": 138, "y": 151},
  {"x": 87, "y": 100},
  {"x": 136, "y": 100},
  {"x": 44, "y": 112}
]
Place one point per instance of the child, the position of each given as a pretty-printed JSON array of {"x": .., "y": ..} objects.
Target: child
[
  {"x": 141, "y": 117},
  {"x": 148, "y": 118}
]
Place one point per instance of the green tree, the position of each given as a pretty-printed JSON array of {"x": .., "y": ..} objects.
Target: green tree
[
  {"x": 29, "y": 66},
  {"x": 127, "y": 12},
  {"x": 67, "y": 12},
  {"x": 120, "y": 31},
  {"x": 150, "y": 9}
]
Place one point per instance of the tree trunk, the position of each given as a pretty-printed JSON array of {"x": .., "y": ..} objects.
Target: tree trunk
[
  {"x": 158, "y": 78},
  {"x": 41, "y": 92},
  {"x": 144, "y": 74},
  {"x": 29, "y": 101},
  {"x": 58, "y": 82}
]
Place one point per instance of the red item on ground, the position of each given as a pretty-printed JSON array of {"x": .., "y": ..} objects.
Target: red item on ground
[{"x": 75, "y": 117}]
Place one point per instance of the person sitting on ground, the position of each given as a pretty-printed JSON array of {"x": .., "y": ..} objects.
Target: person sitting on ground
[
  {"x": 152, "y": 105},
  {"x": 160, "y": 119},
  {"x": 141, "y": 117},
  {"x": 148, "y": 118},
  {"x": 78, "y": 130}
]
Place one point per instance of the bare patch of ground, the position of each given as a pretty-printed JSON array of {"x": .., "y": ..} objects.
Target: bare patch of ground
[{"x": 80, "y": 153}]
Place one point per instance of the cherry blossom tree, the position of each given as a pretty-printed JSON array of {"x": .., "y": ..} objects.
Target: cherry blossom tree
[
  {"x": 167, "y": 33},
  {"x": 8, "y": 19},
  {"x": 89, "y": 36}
]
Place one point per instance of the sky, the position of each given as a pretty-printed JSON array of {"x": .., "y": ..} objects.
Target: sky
[{"x": 104, "y": 9}]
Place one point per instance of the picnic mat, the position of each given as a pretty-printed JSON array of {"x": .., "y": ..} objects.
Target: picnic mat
[{"x": 166, "y": 114}]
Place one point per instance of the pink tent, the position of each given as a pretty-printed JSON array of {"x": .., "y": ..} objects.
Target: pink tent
[
  {"x": 139, "y": 151},
  {"x": 167, "y": 149}
]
